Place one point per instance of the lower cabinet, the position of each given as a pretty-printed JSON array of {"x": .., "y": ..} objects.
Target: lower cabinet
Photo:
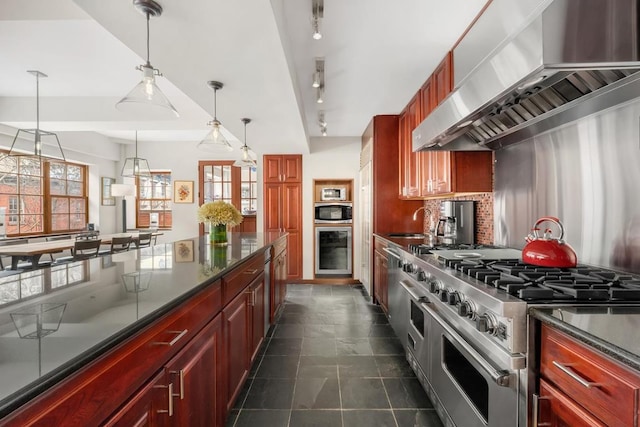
[
  {"x": 580, "y": 386},
  {"x": 243, "y": 335},
  {"x": 187, "y": 391},
  {"x": 279, "y": 281},
  {"x": 381, "y": 276}
]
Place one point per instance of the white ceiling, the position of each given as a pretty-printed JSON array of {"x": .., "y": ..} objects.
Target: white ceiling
[{"x": 377, "y": 54}]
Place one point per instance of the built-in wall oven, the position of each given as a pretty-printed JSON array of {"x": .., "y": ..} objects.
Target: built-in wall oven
[{"x": 333, "y": 251}]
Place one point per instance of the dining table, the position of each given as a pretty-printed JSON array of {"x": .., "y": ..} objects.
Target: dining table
[{"x": 32, "y": 252}]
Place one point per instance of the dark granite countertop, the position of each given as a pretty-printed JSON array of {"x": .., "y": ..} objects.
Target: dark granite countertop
[
  {"x": 99, "y": 306},
  {"x": 614, "y": 330}
]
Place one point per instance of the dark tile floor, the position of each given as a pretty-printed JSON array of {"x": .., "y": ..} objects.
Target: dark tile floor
[{"x": 332, "y": 359}]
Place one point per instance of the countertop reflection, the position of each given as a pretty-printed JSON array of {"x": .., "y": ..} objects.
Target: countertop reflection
[{"x": 54, "y": 320}]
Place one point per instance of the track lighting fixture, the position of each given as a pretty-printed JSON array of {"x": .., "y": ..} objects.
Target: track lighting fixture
[
  {"x": 317, "y": 9},
  {"x": 320, "y": 95},
  {"x": 146, "y": 93},
  {"x": 322, "y": 122},
  {"x": 318, "y": 75},
  {"x": 215, "y": 141}
]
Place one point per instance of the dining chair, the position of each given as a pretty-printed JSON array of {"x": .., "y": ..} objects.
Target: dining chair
[
  {"x": 119, "y": 244},
  {"x": 85, "y": 249},
  {"x": 144, "y": 240}
]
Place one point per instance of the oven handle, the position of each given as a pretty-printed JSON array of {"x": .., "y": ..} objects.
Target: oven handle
[
  {"x": 393, "y": 254},
  {"x": 407, "y": 287},
  {"x": 500, "y": 377}
]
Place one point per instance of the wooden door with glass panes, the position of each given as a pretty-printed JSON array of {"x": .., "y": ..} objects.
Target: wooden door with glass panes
[{"x": 220, "y": 180}]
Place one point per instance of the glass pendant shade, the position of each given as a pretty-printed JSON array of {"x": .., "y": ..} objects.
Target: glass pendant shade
[
  {"x": 36, "y": 134},
  {"x": 247, "y": 156},
  {"x": 215, "y": 142},
  {"x": 135, "y": 166},
  {"x": 146, "y": 96}
]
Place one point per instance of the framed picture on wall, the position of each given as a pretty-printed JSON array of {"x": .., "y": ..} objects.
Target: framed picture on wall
[
  {"x": 183, "y": 251},
  {"x": 106, "y": 198},
  {"x": 182, "y": 191}
]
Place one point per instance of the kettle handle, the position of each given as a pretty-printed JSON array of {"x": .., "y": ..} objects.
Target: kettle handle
[{"x": 550, "y": 219}]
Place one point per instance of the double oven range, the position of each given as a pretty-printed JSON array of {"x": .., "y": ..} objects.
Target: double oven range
[{"x": 462, "y": 317}]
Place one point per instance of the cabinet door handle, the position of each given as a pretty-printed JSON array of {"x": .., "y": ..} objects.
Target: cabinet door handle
[
  {"x": 180, "y": 374},
  {"x": 564, "y": 367},
  {"x": 252, "y": 301},
  {"x": 536, "y": 410},
  {"x": 254, "y": 271},
  {"x": 179, "y": 335},
  {"x": 169, "y": 410}
]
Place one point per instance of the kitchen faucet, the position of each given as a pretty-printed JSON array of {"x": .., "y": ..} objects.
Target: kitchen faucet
[{"x": 426, "y": 211}]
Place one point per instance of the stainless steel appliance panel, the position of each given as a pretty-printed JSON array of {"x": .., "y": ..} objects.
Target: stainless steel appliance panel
[
  {"x": 333, "y": 251},
  {"x": 397, "y": 296},
  {"x": 586, "y": 174},
  {"x": 459, "y": 221},
  {"x": 472, "y": 390}
]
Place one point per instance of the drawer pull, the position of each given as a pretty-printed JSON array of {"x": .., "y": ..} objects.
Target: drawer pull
[
  {"x": 565, "y": 368},
  {"x": 169, "y": 388},
  {"x": 180, "y": 374},
  {"x": 179, "y": 335},
  {"x": 252, "y": 302},
  {"x": 252, "y": 272},
  {"x": 536, "y": 411}
]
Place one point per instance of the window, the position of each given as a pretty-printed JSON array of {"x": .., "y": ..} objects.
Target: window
[
  {"x": 236, "y": 185},
  {"x": 42, "y": 197},
  {"x": 68, "y": 201},
  {"x": 248, "y": 190},
  {"x": 154, "y": 200}
]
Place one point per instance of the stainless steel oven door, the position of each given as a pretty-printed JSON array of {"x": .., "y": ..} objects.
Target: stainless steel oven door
[
  {"x": 472, "y": 390},
  {"x": 418, "y": 329}
]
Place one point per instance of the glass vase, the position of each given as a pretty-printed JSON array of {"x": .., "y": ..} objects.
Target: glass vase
[{"x": 218, "y": 235}]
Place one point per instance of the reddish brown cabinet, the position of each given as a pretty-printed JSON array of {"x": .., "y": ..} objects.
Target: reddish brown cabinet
[
  {"x": 257, "y": 311},
  {"x": 237, "y": 335},
  {"x": 149, "y": 407},
  {"x": 581, "y": 386},
  {"x": 283, "y": 205},
  {"x": 279, "y": 278},
  {"x": 409, "y": 161},
  {"x": 381, "y": 276},
  {"x": 283, "y": 168}
]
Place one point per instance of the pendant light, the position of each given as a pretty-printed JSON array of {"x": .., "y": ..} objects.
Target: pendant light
[
  {"x": 147, "y": 94},
  {"x": 215, "y": 141},
  {"x": 37, "y": 132},
  {"x": 248, "y": 157},
  {"x": 135, "y": 166}
]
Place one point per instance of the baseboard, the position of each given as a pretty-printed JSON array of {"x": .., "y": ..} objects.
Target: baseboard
[{"x": 336, "y": 281}]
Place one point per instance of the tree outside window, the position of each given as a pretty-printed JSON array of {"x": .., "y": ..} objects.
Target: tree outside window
[{"x": 154, "y": 198}]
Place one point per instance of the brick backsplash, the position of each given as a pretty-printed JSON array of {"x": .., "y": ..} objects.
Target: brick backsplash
[{"x": 484, "y": 215}]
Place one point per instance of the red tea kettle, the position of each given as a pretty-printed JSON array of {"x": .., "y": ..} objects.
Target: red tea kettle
[{"x": 548, "y": 251}]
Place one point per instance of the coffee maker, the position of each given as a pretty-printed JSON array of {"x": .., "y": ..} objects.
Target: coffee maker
[{"x": 457, "y": 222}]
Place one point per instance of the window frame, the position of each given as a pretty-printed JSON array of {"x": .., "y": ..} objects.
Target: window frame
[
  {"x": 143, "y": 217},
  {"x": 17, "y": 218}
]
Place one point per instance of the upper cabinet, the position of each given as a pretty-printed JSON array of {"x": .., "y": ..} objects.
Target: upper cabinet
[
  {"x": 283, "y": 168},
  {"x": 437, "y": 173},
  {"x": 409, "y": 161}
]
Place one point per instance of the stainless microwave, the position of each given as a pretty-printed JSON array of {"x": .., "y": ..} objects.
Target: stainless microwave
[
  {"x": 333, "y": 193},
  {"x": 333, "y": 213}
]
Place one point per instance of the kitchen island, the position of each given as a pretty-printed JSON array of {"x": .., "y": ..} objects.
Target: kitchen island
[{"x": 85, "y": 339}]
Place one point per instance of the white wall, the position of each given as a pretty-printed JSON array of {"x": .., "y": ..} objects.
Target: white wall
[{"x": 330, "y": 158}]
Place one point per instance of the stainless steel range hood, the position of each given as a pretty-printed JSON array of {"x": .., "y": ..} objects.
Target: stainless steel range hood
[{"x": 572, "y": 59}]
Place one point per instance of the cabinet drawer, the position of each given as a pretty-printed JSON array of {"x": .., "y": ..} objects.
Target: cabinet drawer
[
  {"x": 380, "y": 245},
  {"x": 605, "y": 388},
  {"x": 98, "y": 389},
  {"x": 557, "y": 409},
  {"x": 238, "y": 279}
]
